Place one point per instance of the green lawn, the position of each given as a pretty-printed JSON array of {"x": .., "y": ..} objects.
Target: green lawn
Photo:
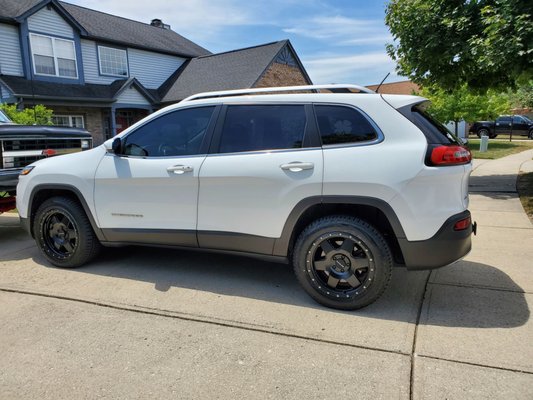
[
  {"x": 498, "y": 148},
  {"x": 525, "y": 190}
]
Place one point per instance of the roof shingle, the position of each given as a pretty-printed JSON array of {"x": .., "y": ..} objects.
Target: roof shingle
[
  {"x": 113, "y": 28},
  {"x": 235, "y": 69}
]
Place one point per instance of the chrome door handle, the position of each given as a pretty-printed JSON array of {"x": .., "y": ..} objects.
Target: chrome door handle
[
  {"x": 180, "y": 169},
  {"x": 297, "y": 166}
]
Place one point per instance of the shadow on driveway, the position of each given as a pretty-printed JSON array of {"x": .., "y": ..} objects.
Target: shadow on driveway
[{"x": 272, "y": 282}]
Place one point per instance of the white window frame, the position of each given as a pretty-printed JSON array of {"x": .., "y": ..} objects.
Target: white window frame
[
  {"x": 56, "y": 66},
  {"x": 70, "y": 118},
  {"x": 100, "y": 62}
]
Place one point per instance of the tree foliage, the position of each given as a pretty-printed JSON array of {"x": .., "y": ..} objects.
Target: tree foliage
[
  {"x": 37, "y": 115},
  {"x": 482, "y": 43},
  {"x": 523, "y": 97},
  {"x": 463, "y": 104}
]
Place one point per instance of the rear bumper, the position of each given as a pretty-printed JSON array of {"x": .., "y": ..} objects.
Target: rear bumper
[{"x": 446, "y": 247}]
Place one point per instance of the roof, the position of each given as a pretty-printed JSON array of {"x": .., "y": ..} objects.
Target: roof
[
  {"x": 403, "y": 87},
  {"x": 237, "y": 69},
  {"x": 112, "y": 28},
  {"x": 23, "y": 87}
]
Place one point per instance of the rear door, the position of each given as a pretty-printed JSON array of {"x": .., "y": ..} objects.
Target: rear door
[{"x": 265, "y": 159}]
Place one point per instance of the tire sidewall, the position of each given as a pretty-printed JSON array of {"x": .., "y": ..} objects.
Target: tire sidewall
[
  {"x": 382, "y": 264},
  {"x": 47, "y": 208}
]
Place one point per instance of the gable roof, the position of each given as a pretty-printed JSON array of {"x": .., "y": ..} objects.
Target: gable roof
[
  {"x": 111, "y": 28},
  {"x": 236, "y": 69}
]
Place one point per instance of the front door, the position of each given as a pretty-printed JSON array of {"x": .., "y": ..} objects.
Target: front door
[{"x": 149, "y": 192}]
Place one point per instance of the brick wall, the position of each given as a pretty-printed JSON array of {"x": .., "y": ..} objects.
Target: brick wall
[
  {"x": 92, "y": 117},
  {"x": 282, "y": 75}
]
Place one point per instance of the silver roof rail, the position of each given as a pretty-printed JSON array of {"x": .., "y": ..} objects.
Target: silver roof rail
[{"x": 224, "y": 93}]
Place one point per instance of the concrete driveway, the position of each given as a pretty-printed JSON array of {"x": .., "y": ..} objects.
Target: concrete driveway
[{"x": 152, "y": 323}]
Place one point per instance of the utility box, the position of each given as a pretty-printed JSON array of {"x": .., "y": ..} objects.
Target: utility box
[{"x": 484, "y": 144}]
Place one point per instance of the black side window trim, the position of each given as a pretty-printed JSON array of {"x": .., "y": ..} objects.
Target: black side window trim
[
  {"x": 311, "y": 138},
  {"x": 380, "y": 137},
  {"x": 205, "y": 142}
]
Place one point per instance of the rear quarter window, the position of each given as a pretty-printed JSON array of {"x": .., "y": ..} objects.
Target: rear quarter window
[
  {"x": 343, "y": 125},
  {"x": 435, "y": 131}
]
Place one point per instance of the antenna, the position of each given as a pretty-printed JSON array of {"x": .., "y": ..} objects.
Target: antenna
[{"x": 386, "y": 76}]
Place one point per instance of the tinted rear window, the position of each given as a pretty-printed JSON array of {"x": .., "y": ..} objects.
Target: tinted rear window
[
  {"x": 435, "y": 132},
  {"x": 339, "y": 125},
  {"x": 265, "y": 127}
]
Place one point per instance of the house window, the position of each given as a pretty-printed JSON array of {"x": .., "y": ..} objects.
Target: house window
[
  {"x": 53, "y": 56},
  {"x": 113, "y": 61},
  {"x": 75, "y": 121}
]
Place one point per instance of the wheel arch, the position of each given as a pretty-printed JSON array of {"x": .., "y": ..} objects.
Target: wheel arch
[
  {"x": 372, "y": 210},
  {"x": 45, "y": 191}
]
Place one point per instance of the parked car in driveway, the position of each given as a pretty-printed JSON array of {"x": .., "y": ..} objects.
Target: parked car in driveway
[
  {"x": 520, "y": 125},
  {"x": 342, "y": 185}
]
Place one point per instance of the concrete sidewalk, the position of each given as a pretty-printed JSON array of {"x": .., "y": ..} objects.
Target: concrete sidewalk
[
  {"x": 476, "y": 313},
  {"x": 143, "y": 323}
]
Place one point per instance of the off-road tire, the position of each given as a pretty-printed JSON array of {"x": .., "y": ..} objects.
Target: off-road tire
[
  {"x": 64, "y": 234},
  {"x": 317, "y": 267}
]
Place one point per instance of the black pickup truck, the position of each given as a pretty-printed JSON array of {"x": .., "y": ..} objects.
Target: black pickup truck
[
  {"x": 20, "y": 145},
  {"x": 519, "y": 124}
]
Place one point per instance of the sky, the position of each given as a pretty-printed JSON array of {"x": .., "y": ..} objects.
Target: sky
[{"x": 338, "y": 41}]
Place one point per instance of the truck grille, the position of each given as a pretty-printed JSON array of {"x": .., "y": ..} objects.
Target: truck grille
[
  {"x": 41, "y": 144},
  {"x": 20, "y": 162}
]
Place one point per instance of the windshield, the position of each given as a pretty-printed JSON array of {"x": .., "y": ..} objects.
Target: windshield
[{"x": 4, "y": 118}]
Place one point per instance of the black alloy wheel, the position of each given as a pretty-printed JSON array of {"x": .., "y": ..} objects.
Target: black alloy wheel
[
  {"x": 60, "y": 233},
  {"x": 342, "y": 262},
  {"x": 64, "y": 234}
]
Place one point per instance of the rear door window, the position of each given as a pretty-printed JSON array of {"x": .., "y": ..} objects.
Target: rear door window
[{"x": 262, "y": 127}]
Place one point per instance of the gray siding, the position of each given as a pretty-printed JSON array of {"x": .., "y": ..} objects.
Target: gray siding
[
  {"x": 49, "y": 21},
  {"x": 10, "y": 58},
  {"x": 152, "y": 69},
  {"x": 132, "y": 96},
  {"x": 90, "y": 64}
]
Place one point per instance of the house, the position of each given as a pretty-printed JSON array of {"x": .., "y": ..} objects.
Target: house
[
  {"x": 104, "y": 72},
  {"x": 402, "y": 87}
]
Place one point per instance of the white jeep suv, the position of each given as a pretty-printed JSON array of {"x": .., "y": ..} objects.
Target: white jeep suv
[{"x": 343, "y": 185}]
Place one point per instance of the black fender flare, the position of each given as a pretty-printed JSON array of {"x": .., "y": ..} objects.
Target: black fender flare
[
  {"x": 66, "y": 188},
  {"x": 281, "y": 245}
]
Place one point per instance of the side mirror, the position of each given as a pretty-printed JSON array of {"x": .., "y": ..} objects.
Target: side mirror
[{"x": 117, "y": 146}]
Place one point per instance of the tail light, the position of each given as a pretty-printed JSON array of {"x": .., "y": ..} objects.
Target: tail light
[
  {"x": 462, "y": 224},
  {"x": 449, "y": 155}
]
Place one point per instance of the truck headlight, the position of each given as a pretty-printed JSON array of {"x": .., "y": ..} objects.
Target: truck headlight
[{"x": 84, "y": 144}]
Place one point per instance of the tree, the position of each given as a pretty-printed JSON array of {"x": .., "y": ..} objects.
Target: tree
[
  {"x": 482, "y": 43},
  {"x": 523, "y": 97},
  {"x": 463, "y": 104},
  {"x": 38, "y": 115}
]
